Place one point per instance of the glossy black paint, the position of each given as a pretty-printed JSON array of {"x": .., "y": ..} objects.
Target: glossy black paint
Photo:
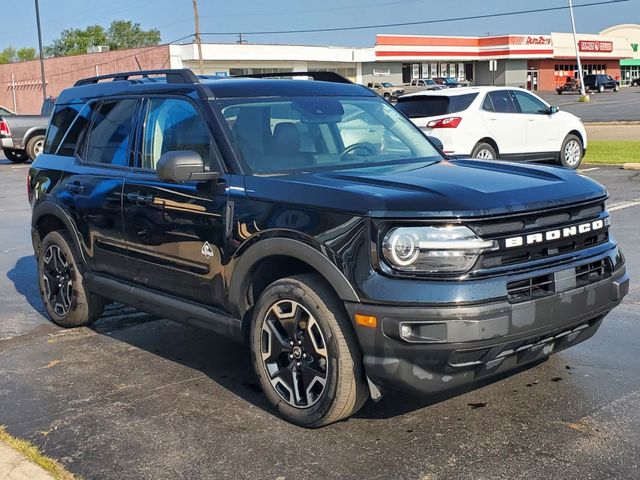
[{"x": 201, "y": 252}]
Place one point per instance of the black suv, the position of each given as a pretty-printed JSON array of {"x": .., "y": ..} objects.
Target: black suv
[
  {"x": 600, "y": 83},
  {"x": 314, "y": 221}
]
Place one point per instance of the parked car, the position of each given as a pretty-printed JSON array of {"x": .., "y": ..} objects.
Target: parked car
[
  {"x": 497, "y": 123},
  {"x": 447, "y": 82},
  {"x": 600, "y": 83},
  {"x": 635, "y": 82},
  {"x": 421, "y": 84},
  {"x": 22, "y": 136},
  {"x": 386, "y": 90},
  {"x": 352, "y": 261}
]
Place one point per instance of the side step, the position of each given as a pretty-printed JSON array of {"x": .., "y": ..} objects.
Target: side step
[{"x": 165, "y": 306}]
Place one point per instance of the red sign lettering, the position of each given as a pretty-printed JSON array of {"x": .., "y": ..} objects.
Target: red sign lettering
[{"x": 595, "y": 46}]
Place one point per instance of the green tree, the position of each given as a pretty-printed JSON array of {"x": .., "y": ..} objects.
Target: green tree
[
  {"x": 120, "y": 34},
  {"x": 8, "y": 55},
  {"x": 26, "y": 53},
  {"x": 76, "y": 41},
  {"x": 125, "y": 34}
]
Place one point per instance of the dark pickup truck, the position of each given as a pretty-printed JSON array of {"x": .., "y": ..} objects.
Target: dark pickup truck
[
  {"x": 22, "y": 136},
  {"x": 313, "y": 221}
]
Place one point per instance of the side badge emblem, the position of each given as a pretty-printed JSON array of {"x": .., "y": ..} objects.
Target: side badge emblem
[{"x": 206, "y": 250}]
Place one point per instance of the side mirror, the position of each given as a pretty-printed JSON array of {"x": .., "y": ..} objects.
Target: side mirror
[
  {"x": 183, "y": 166},
  {"x": 553, "y": 109},
  {"x": 436, "y": 141}
]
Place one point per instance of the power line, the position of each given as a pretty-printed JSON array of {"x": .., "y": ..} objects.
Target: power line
[{"x": 421, "y": 22}]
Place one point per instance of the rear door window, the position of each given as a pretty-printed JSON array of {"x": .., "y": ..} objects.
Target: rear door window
[
  {"x": 502, "y": 101},
  {"x": 110, "y": 133},
  {"x": 432, "y": 105}
]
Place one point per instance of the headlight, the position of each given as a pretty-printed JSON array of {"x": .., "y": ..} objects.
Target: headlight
[{"x": 449, "y": 249}]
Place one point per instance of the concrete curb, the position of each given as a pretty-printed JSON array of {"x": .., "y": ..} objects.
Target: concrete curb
[
  {"x": 612, "y": 123},
  {"x": 14, "y": 466},
  {"x": 631, "y": 166}
]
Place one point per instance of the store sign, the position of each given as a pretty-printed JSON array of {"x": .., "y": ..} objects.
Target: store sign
[
  {"x": 533, "y": 40},
  {"x": 381, "y": 72},
  {"x": 595, "y": 46}
]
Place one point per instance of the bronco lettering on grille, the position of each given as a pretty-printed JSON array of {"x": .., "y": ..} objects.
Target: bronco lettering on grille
[{"x": 556, "y": 234}]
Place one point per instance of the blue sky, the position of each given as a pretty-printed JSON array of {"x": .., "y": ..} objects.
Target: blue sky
[{"x": 174, "y": 18}]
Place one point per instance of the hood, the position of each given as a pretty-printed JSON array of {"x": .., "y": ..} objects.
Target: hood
[{"x": 455, "y": 188}]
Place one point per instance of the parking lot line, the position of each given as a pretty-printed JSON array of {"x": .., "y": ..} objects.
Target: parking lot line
[{"x": 622, "y": 205}]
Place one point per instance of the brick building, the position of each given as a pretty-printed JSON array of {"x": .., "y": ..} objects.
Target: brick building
[{"x": 62, "y": 72}]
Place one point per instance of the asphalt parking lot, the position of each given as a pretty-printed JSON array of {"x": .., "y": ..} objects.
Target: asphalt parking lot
[
  {"x": 602, "y": 107},
  {"x": 138, "y": 397}
]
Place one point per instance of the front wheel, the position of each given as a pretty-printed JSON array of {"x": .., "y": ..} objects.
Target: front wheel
[
  {"x": 305, "y": 352},
  {"x": 15, "y": 156},
  {"x": 484, "y": 151},
  {"x": 571, "y": 152},
  {"x": 601, "y": 89}
]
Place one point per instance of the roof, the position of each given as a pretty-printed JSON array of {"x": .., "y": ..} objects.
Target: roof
[
  {"x": 450, "y": 92},
  {"x": 185, "y": 82}
]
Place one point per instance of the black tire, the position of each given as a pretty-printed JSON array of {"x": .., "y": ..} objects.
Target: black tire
[
  {"x": 569, "y": 145},
  {"x": 616, "y": 88},
  {"x": 559, "y": 92},
  {"x": 387, "y": 97},
  {"x": 15, "y": 156},
  {"x": 601, "y": 89},
  {"x": 634, "y": 84},
  {"x": 311, "y": 303},
  {"x": 484, "y": 151},
  {"x": 35, "y": 146},
  {"x": 75, "y": 306}
]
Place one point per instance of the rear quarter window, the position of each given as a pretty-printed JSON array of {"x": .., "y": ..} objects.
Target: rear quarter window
[
  {"x": 432, "y": 105},
  {"x": 66, "y": 128}
]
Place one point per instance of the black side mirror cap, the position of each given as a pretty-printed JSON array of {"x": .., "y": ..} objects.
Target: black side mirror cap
[
  {"x": 182, "y": 166},
  {"x": 553, "y": 109}
]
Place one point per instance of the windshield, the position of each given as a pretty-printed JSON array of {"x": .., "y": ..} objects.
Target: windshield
[
  {"x": 387, "y": 84},
  {"x": 308, "y": 133},
  {"x": 450, "y": 81}
]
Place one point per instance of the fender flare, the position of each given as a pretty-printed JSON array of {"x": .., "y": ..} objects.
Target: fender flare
[
  {"x": 51, "y": 208},
  {"x": 31, "y": 132},
  {"x": 241, "y": 278}
]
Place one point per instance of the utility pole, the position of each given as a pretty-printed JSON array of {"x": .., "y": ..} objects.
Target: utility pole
[
  {"x": 583, "y": 94},
  {"x": 198, "y": 39},
  {"x": 44, "y": 81}
]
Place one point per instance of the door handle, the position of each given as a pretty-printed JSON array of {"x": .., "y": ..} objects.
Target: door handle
[
  {"x": 75, "y": 187},
  {"x": 139, "y": 199}
]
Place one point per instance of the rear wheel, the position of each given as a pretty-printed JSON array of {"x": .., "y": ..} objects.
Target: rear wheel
[
  {"x": 571, "y": 152},
  {"x": 484, "y": 151},
  {"x": 15, "y": 156},
  {"x": 305, "y": 352},
  {"x": 35, "y": 146},
  {"x": 616, "y": 88},
  {"x": 63, "y": 293}
]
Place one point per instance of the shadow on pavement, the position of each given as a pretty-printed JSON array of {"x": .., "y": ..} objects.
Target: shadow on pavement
[
  {"x": 25, "y": 281},
  {"x": 222, "y": 360}
]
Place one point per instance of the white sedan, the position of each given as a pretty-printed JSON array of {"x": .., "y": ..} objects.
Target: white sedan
[{"x": 497, "y": 123}]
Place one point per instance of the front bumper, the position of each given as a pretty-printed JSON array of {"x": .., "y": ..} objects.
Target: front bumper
[{"x": 473, "y": 342}]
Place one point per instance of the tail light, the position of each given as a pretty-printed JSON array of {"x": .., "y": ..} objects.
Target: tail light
[
  {"x": 449, "y": 122},
  {"x": 4, "y": 128}
]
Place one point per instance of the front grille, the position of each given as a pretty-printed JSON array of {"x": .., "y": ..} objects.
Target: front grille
[
  {"x": 533, "y": 288},
  {"x": 539, "y": 222}
]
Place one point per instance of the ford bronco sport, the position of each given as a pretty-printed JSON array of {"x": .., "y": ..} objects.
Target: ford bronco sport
[{"x": 312, "y": 220}]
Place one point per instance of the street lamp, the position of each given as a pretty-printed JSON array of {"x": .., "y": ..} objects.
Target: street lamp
[
  {"x": 583, "y": 94},
  {"x": 44, "y": 81}
]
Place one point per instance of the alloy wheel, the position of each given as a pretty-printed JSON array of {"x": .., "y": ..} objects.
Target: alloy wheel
[
  {"x": 572, "y": 153},
  {"x": 38, "y": 147},
  {"x": 484, "y": 154},
  {"x": 57, "y": 280},
  {"x": 294, "y": 353}
]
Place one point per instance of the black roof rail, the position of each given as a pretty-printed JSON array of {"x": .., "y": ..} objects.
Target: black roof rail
[
  {"x": 182, "y": 75},
  {"x": 319, "y": 76}
]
